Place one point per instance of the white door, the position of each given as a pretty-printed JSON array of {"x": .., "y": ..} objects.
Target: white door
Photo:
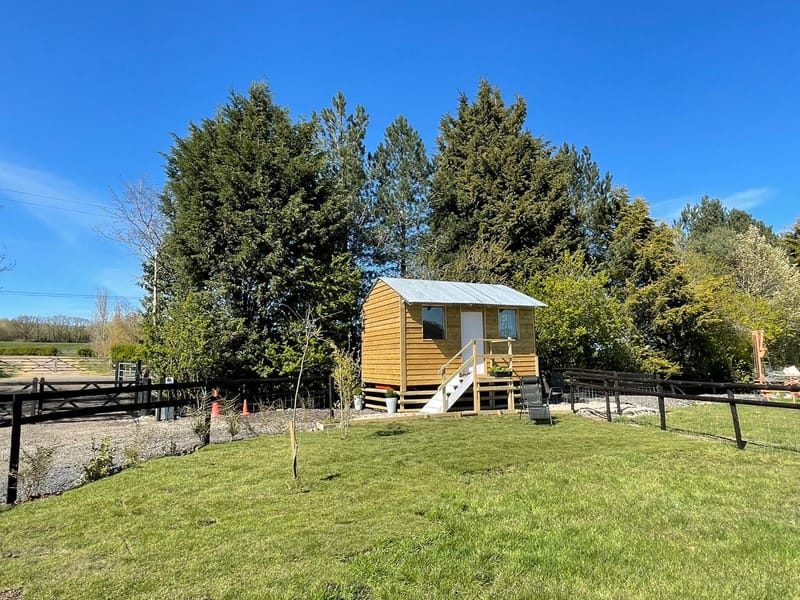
[{"x": 472, "y": 328}]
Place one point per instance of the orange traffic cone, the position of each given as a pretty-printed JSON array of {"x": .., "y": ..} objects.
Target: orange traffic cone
[
  {"x": 245, "y": 412},
  {"x": 215, "y": 409}
]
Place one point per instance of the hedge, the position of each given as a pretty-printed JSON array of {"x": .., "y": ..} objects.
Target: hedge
[
  {"x": 127, "y": 353},
  {"x": 29, "y": 351}
]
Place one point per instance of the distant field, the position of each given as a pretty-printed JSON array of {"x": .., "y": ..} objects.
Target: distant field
[
  {"x": 64, "y": 349},
  {"x": 480, "y": 507}
]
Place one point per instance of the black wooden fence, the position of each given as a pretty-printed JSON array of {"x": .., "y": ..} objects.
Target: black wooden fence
[
  {"x": 610, "y": 384},
  {"x": 43, "y": 401}
]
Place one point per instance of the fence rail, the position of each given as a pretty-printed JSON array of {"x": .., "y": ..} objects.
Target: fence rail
[
  {"x": 608, "y": 384},
  {"x": 61, "y": 401}
]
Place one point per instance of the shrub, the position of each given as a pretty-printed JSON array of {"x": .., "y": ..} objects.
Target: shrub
[
  {"x": 126, "y": 353},
  {"x": 36, "y": 466},
  {"x": 85, "y": 352},
  {"x": 102, "y": 463}
]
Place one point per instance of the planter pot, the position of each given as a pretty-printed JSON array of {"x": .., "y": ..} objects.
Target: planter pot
[
  {"x": 391, "y": 404},
  {"x": 358, "y": 402}
]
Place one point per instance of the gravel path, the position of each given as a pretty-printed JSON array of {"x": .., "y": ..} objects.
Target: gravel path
[
  {"x": 72, "y": 442},
  {"x": 631, "y": 406}
]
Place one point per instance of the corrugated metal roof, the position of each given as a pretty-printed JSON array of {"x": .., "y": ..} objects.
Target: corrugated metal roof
[{"x": 423, "y": 291}]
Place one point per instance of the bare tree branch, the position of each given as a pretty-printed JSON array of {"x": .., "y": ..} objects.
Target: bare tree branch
[{"x": 136, "y": 220}]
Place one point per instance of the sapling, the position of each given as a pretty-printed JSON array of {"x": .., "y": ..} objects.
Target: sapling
[
  {"x": 311, "y": 331},
  {"x": 346, "y": 379},
  {"x": 33, "y": 473}
]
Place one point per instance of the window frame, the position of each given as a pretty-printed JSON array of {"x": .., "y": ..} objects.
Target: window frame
[
  {"x": 499, "y": 323},
  {"x": 444, "y": 321}
]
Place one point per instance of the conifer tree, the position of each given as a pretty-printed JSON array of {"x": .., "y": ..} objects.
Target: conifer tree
[
  {"x": 791, "y": 242},
  {"x": 399, "y": 173},
  {"x": 256, "y": 230},
  {"x": 495, "y": 183},
  {"x": 341, "y": 135}
]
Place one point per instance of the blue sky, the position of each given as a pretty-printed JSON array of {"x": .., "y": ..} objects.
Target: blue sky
[{"x": 676, "y": 101}]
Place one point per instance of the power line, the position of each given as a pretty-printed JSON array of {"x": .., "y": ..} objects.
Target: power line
[
  {"x": 62, "y": 295},
  {"x": 5, "y": 189},
  {"x": 52, "y": 206}
]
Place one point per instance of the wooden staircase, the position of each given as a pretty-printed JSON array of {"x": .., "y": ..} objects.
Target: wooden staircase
[{"x": 460, "y": 377}]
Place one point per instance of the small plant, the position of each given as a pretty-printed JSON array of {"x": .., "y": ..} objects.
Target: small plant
[
  {"x": 390, "y": 393},
  {"x": 346, "y": 379},
  {"x": 85, "y": 352},
  {"x": 132, "y": 451},
  {"x": 498, "y": 371},
  {"x": 231, "y": 416},
  {"x": 35, "y": 468},
  {"x": 199, "y": 418},
  {"x": 102, "y": 463}
]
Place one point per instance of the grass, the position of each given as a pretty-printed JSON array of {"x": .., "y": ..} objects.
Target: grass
[
  {"x": 770, "y": 426},
  {"x": 64, "y": 348},
  {"x": 484, "y": 507}
]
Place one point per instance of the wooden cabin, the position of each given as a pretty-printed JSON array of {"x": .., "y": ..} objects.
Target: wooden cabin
[{"x": 444, "y": 345}]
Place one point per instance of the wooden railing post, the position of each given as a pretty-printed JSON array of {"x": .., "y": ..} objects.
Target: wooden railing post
[
  {"x": 737, "y": 430},
  {"x": 616, "y": 392},
  {"x": 476, "y": 397},
  {"x": 13, "y": 454},
  {"x": 662, "y": 411}
]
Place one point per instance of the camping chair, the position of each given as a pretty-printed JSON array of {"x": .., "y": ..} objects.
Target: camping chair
[
  {"x": 538, "y": 409},
  {"x": 554, "y": 390}
]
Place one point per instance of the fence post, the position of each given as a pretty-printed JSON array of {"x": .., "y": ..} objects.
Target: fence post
[
  {"x": 159, "y": 398},
  {"x": 207, "y": 409},
  {"x": 737, "y": 430},
  {"x": 330, "y": 395},
  {"x": 572, "y": 395},
  {"x": 616, "y": 392},
  {"x": 662, "y": 411},
  {"x": 13, "y": 454},
  {"x": 608, "y": 401}
]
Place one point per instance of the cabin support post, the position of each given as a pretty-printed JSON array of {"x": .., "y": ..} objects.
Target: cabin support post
[
  {"x": 511, "y": 403},
  {"x": 476, "y": 395},
  {"x": 403, "y": 357}
]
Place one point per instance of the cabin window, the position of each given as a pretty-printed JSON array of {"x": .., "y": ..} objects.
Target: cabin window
[
  {"x": 507, "y": 323},
  {"x": 433, "y": 322}
]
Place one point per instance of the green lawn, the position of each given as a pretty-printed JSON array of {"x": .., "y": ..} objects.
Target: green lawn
[
  {"x": 771, "y": 426},
  {"x": 482, "y": 507}
]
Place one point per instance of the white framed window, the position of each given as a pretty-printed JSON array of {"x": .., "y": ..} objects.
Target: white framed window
[
  {"x": 433, "y": 326},
  {"x": 507, "y": 323}
]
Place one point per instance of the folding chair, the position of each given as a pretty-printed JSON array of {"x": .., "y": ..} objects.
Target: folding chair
[{"x": 532, "y": 401}]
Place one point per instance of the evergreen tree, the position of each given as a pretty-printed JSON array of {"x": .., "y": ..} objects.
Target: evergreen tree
[
  {"x": 495, "y": 183},
  {"x": 708, "y": 227},
  {"x": 399, "y": 173},
  {"x": 596, "y": 202},
  {"x": 791, "y": 243},
  {"x": 256, "y": 233},
  {"x": 674, "y": 319},
  {"x": 341, "y": 136}
]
